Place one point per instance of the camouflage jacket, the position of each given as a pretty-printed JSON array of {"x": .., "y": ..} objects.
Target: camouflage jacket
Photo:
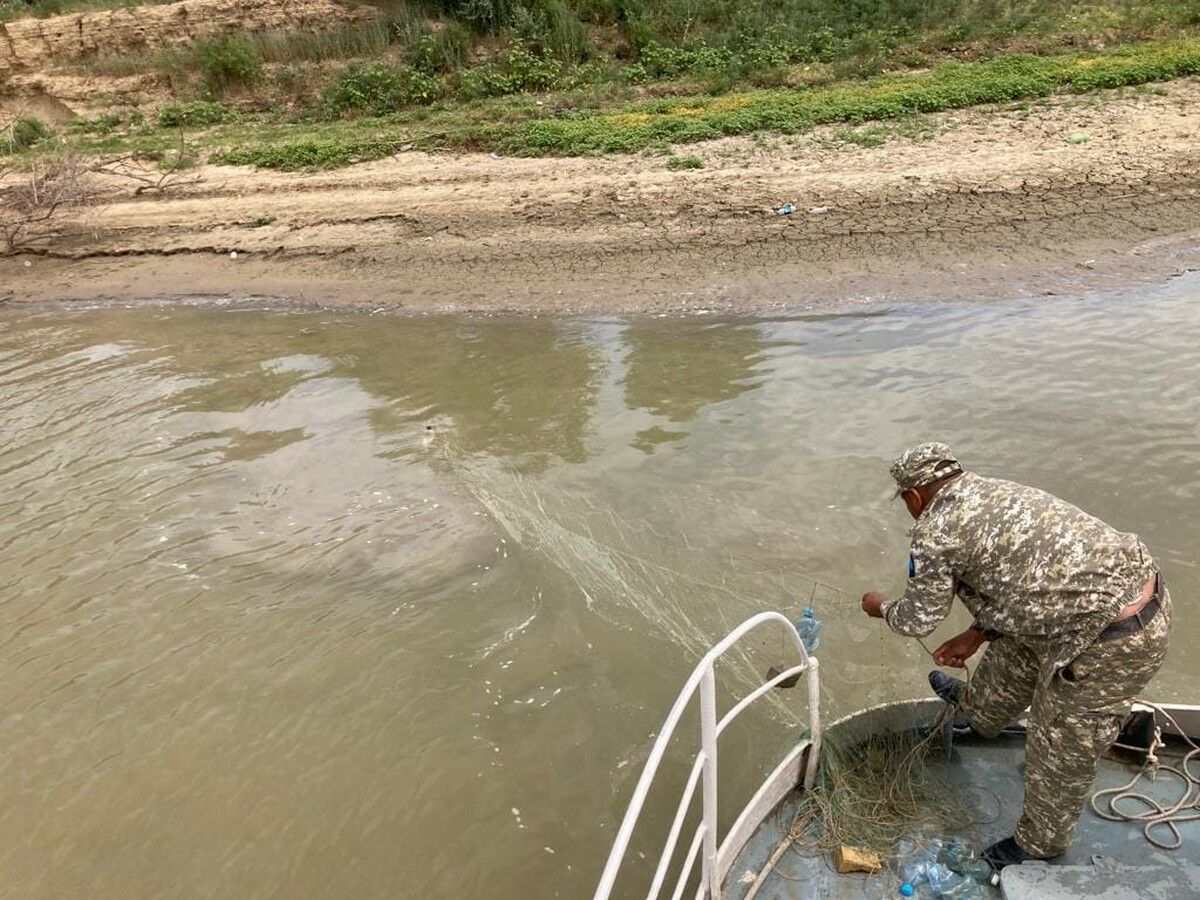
[{"x": 1024, "y": 562}]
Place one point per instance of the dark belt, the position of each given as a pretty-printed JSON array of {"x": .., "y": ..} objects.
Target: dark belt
[{"x": 1139, "y": 620}]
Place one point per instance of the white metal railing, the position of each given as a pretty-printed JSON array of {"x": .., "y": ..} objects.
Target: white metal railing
[{"x": 704, "y": 840}]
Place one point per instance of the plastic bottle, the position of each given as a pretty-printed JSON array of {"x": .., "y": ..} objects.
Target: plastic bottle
[
  {"x": 978, "y": 871},
  {"x": 961, "y": 858},
  {"x": 956, "y": 854},
  {"x": 945, "y": 883},
  {"x": 808, "y": 626},
  {"x": 915, "y": 859},
  {"x": 966, "y": 889}
]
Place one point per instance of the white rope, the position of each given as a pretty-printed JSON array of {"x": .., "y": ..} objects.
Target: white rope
[{"x": 1155, "y": 815}]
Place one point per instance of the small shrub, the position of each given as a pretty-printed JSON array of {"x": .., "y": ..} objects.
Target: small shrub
[
  {"x": 438, "y": 52},
  {"x": 667, "y": 62},
  {"x": 483, "y": 81},
  {"x": 635, "y": 73},
  {"x": 228, "y": 62},
  {"x": 378, "y": 89},
  {"x": 103, "y": 124},
  {"x": 685, "y": 162},
  {"x": 516, "y": 71},
  {"x": 549, "y": 28},
  {"x": 261, "y": 221},
  {"x": 530, "y": 72},
  {"x": 23, "y": 134},
  {"x": 769, "y": 78},
  {"x": 823, "y": 45},
  {"x": 194, "y": 114},
  {"x": 586, "y": 75},
  {"x": 293, "y": 81},
  {"x": 485, "y": 15}
]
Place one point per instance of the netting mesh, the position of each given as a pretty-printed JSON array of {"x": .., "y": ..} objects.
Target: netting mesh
[
  {"x": 693, "y": 599},
  {"x": 876, "y": 792},
  {"x": 869, "y": 793}
]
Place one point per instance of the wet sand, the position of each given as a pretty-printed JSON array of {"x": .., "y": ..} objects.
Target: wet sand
[{"x": 1077, "y": 194}]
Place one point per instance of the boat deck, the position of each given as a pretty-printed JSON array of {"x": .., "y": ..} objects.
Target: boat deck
[{"x": 1107, "y": 859}]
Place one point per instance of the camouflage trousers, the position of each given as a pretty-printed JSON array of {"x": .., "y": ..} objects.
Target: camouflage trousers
[{"x": 1075, "y": 714}]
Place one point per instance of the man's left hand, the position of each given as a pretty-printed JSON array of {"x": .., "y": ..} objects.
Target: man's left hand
[{"x": 872, "y": 603}]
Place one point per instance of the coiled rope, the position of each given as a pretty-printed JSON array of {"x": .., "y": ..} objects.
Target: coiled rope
[{"x": 1155, "y": 815}]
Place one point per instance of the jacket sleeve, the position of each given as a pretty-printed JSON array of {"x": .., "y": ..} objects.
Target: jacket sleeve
[{"x": 929, "y": 594}]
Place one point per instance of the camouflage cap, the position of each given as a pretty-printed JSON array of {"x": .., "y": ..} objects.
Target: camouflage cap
[{"x": 922, "y": 464}]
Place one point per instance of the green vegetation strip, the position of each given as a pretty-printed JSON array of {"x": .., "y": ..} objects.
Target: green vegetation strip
[{"x": 950, "y": 86}]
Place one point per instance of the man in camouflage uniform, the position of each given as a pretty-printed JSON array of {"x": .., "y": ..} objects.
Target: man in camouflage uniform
[{"x": 1074, "y": 613}]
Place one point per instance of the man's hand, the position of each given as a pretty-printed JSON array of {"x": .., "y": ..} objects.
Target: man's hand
[
  {"x": 956, "y": 651},
  {"x": 871, "y": 603}
]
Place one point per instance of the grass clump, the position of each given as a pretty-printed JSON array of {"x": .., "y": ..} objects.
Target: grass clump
[
  {"x": 194, "y": 114},
  {"x": 360, "y": 39},
  {"x": 24, "y": 133},
  {"x": 684, "y": 162},
  {"x": 870, "y": 136},
  {"x": 438, "y": 52}
]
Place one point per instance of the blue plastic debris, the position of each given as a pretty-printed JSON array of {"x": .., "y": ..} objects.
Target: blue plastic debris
[
  {"x": 787, "y": 209},
  {"x": 808, "y": 626},
  {"x": 907, "y": 889}
]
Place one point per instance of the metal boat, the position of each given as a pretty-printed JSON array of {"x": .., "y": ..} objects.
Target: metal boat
[{"x": 749, "y": 859}]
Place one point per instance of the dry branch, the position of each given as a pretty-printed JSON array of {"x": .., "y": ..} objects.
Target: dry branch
[{"x": 36, "y": 205}]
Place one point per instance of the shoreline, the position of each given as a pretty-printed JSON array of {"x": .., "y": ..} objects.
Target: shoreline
[
  {"x": 274, "y": 284},
  {"x": 987, "y": 204}
]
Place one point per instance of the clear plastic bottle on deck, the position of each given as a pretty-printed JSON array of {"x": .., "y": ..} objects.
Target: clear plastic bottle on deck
[
  {"x": 937, "y": 870},
  {"x": 963, "y": 859},
  {"x": 808, "y": 626}
]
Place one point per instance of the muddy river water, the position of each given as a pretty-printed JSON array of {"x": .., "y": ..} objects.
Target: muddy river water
[{"x": 302, "y": 604}]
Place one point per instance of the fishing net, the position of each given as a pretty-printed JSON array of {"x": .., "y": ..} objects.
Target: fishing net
[
  {"x": 875, "y": 792},
  {"x": 870, "y": 793},
  {"x": 690, "y": 595}
]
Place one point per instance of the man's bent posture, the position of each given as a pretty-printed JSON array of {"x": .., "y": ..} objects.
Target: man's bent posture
[{"x": 1075, "y": 613}]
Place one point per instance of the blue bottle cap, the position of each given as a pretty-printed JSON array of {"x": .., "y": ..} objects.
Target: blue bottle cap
[{"x": 907, "y": 889}]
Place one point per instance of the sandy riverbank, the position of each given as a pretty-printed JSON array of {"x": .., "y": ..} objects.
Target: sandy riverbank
[{"x": 996, "y": 203}]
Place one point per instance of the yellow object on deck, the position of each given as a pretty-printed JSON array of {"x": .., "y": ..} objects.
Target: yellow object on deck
[{"x": 854, "y": 859}]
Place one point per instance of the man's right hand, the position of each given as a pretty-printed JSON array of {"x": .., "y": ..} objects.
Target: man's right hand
[{"x": 956, "y": 651}]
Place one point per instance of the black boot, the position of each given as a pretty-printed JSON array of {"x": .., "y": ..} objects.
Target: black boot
[
  {"x": 949, "y": 689},
  {"x": 1009, "y": 853}
]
